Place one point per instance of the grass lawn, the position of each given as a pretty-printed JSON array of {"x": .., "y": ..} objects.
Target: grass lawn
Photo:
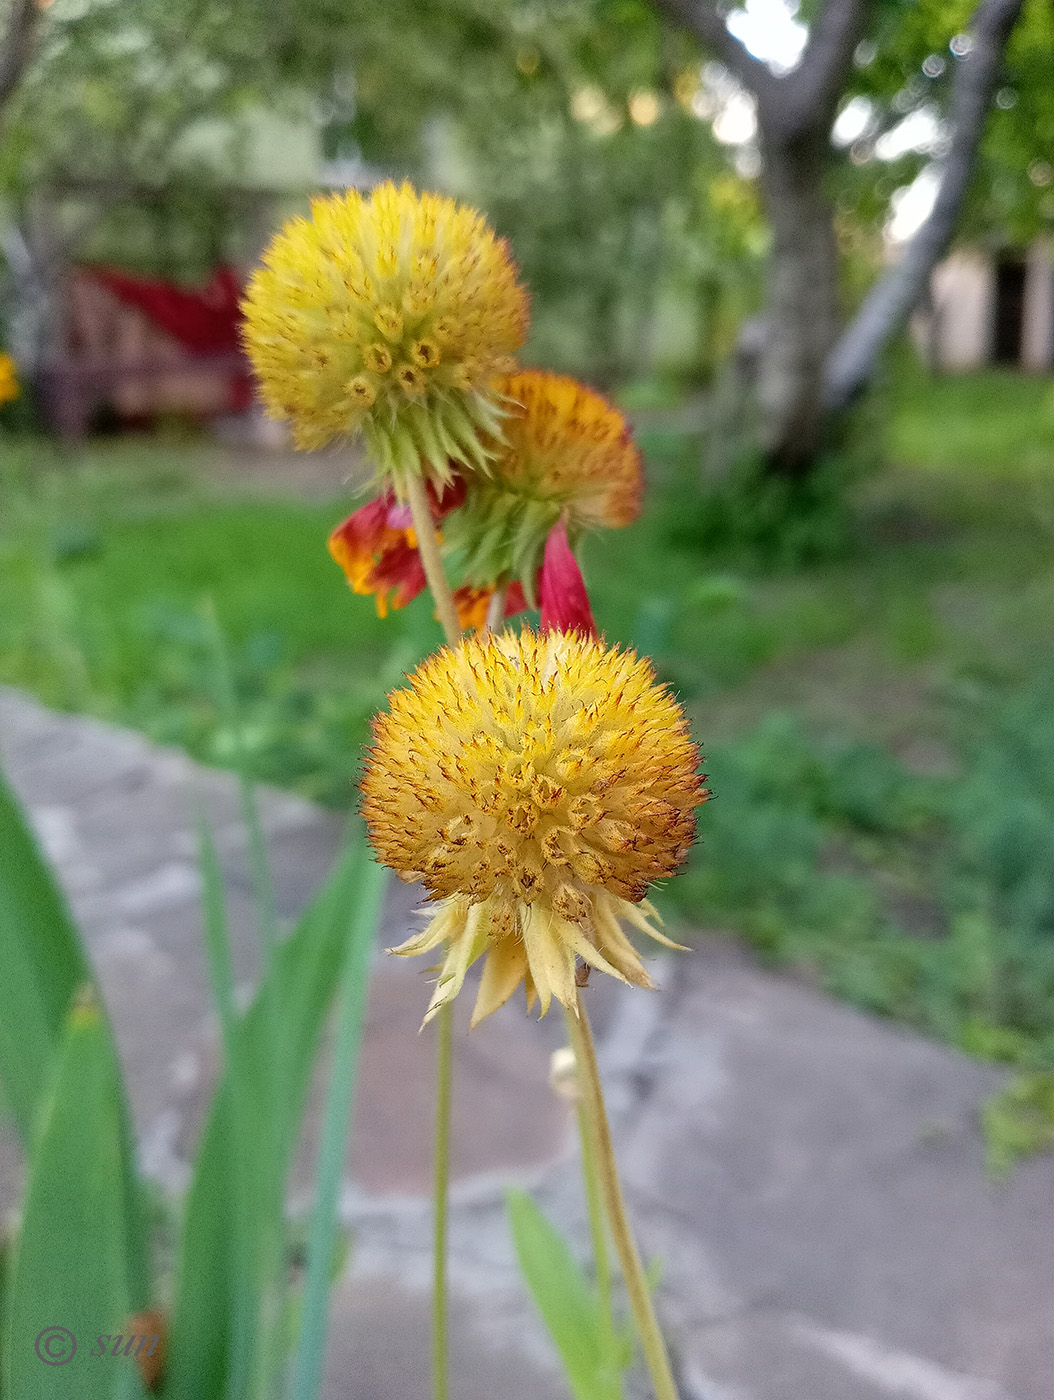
[{"x": 879, "y": 724}]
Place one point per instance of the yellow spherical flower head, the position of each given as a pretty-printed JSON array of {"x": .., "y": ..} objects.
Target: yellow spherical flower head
[
  {"x": 566, "y": 453},
  {"x": 8, "y": 379},
  {"x": 389, "y": 312},
  {"x": 536, "y": 784}
]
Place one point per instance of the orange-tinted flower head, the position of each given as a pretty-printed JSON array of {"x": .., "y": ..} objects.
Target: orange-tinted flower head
[
  {"x": 566, "y": 455},
  {"x": 536, "y": 784},
  {"x": 8, "y": 379}
]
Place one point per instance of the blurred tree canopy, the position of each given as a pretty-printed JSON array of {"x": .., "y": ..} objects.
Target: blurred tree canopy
[{"x": 586, "y": 128}]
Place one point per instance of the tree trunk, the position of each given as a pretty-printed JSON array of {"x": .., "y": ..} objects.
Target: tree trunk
[
  {"x": 801, "y": 314},
  {"x": 888, "y": 304},
  {"x": 16, "y": 48}
]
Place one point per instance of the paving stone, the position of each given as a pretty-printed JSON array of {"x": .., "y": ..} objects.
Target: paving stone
[
  {"x": 815, "y": 1180},
  {"x": 379, "y": 1349},
  {"x": 506, "y": 1119}
]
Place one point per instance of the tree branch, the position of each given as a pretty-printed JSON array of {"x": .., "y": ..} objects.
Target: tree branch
[
  {"x": 707, "y": 23},
  {"x": 16, "y": 48},
  {"x": 802, "y": 100},
  {"x": 853, "y": 359},
  {"x": 812, "y": 89}
]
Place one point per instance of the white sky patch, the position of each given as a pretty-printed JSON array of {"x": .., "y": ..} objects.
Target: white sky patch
[
  {"x": 911, "y": 205},
  {"x": 768, "y": 29},
  {"x": 852, "y": 121},
  {"x": 919, "y": 131},
  {"x": 737, "y": 122}
]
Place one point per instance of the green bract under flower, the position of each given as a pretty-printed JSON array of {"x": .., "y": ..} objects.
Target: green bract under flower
[{"x": 565, "y": 454}]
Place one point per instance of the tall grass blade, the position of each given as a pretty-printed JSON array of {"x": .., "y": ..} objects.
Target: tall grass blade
[
  {"x": 307, "y": 967},
  {"x": 268, "y": 1176},
  {"x": 42, "y": 964},
  {"x": 70, "y": 1282},
  {"x": 339, "y": 1106},
  {"x": 593, "y": 1361},
  {"x": 243, "y": 1167}
]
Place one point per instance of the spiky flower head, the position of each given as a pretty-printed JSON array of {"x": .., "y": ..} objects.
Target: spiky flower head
[
  {"x": 536, "y": 784},
  {"x": 566, "y": 454},
  {"x": 389, "y": 312}
]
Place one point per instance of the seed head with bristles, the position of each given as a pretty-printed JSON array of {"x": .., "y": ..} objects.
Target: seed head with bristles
[
  {"x": 390, "y": 313},
  {"x": 536, "y": 785},
  {"x": 566, "y": 453}
]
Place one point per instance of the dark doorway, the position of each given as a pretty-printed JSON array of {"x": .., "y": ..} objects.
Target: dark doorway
[{"x": 1009, "y": 311}]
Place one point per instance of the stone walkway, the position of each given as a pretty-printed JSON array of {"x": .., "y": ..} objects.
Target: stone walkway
[{"x": 811, "y": 1178}]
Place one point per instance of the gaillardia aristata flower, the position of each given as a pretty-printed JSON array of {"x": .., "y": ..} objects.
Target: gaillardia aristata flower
[
  {"x": 389, "y": 312},
  {"x": 566, "y": 455},
  {"x": 536, "y": 784}
]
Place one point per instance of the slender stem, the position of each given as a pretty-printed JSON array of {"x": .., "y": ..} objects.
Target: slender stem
[
  {"x": 632, "y": 1271},
  {"x": 495, "y": 610},
  {"x": 597, "y": 1223},
  {"x": 428, "y": 548},
  {"x": 441, "y": 1190}
]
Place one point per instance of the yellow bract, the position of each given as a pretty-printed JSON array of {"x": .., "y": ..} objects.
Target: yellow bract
[
  {"x": 392, "y": 313},
  {"x": 536, "y": 785}
]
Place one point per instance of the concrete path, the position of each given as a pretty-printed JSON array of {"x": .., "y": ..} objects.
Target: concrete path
[{"x": 811, "y": 1178}]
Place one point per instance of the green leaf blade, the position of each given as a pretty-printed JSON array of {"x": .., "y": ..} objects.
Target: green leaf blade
[
  {"x": 567, "y": 1304},
  {"x": 72, "y": 1269},
  {"x": 42, "y": 961},
  {"x": 305, "y": 972}
]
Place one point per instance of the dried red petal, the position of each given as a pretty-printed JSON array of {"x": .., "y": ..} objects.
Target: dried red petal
[
  {"x": 515, "y": 601},
  {"x": 472, "y": 604},
  {"x": 565, "y": 602}
]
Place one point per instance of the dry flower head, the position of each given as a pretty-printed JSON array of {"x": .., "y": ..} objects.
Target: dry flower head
[{"x": 536, "y": 784}]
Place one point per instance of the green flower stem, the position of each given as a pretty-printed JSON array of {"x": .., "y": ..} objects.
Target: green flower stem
[
  {"x": 441, "y": 1196},
  {"x": 597, "y": 1223},
  {"x": 428, "y": 548},
  {"x": 632, "y": 1271}
]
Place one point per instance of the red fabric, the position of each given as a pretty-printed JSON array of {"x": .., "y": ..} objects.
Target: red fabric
[{"x": 204, "y": 320}]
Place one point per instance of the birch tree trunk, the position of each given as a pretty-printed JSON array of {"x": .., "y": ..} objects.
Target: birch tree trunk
[
  {"x": 801, "y": 319},
  {"x": 809, "y": 369}
]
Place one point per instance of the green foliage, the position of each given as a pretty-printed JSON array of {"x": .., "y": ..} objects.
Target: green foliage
[
  {"x": 323, "y": 1247},
  {"x": 222, "y": 1277},
  {"x": 907, "y": 66},
  {"x": 43, "y": 965},
  {"x": 1019, "y": 1121},
  {"x": 593, "y": 1360},
  {"x": 992, "y": 422},
  {"x": 84, "y": 1223},
  {"x": 78, "y": 1227}
]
